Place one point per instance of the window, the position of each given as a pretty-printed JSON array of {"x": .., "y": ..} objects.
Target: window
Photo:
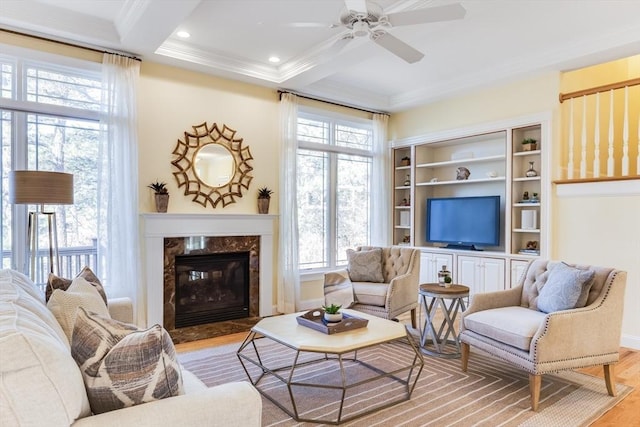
[
  {"x": 334, "y": 185},
  {"x": 49, "y": 121}
]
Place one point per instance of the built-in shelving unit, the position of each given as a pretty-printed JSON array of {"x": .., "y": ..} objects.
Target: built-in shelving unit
[{"x": 498, "y": 163}]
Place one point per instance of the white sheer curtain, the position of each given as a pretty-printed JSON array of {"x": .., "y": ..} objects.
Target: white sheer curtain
[
  {"x": 288, "y": 274},
  {"x": 118, "y": 236},
  {"x": 380, "y": 189}
]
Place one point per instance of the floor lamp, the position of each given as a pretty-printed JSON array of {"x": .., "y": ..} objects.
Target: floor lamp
[{"x": 41, "y": 188}]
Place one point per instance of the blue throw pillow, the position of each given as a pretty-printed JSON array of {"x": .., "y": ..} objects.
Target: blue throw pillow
[{"x": 564, "y": 286}]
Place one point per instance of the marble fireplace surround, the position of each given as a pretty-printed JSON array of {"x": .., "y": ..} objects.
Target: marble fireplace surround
[{"x": 157, "y": 226}]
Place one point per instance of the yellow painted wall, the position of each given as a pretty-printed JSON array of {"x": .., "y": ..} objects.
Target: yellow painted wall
[
  {"x": 488, "y": 105},
  {"x": 171, "y": 101}
]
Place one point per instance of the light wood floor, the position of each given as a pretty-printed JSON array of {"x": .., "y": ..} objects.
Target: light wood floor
[{"x": 625, "y": 413}]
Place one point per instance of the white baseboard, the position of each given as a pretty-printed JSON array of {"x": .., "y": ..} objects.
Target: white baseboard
[{"x": 630, "y": 341}]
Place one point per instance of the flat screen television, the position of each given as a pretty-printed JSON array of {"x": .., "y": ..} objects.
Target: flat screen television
[{"x": 464, "y": 222}]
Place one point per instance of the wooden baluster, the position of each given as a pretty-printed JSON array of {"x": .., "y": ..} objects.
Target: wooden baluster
[
  {"x": 570, "y": 164},
  {"x": 596, "y": 139},
  {"x": 625, "y": 134},
  {"x": 583, "y": 144},
  {"x": 610, "y": 150},
  {"x": 638, "y": 159}
]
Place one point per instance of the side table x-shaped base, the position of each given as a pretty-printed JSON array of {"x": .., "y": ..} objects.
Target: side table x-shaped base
[{"x": 438, "y": 299}]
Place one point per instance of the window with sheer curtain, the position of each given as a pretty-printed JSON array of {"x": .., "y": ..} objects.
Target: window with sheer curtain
[
  {"x": 335, "y": 161},
  {"x": 80, "y": 117},
  {"x": 50, "y": 121}
]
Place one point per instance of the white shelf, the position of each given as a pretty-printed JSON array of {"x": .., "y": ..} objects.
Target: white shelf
[
  {"x": 403, "y": 227},
  {"x": 461, "y": 181},
  {"x": 525, "y": 230},
  {"x": 464, "y": 161},
  {"x": 403, "y": 207},
  {"x": 527, "y": 178},
  {"x": 526, "y": 153},
  {"x": 525, "y": 205},
  {"x": 403, "y": 167},
  {"x": 404, "y": 187}
]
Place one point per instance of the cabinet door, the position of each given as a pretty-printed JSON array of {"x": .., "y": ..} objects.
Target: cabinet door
[
  {"x": 492, "y": 274},
  {"x": 426, "y": 268},
  {"x": 481, "y": 274},
  {"x": 468, "y": 273},
  {"x": 518, "y": 268},
  {"x": 431, "y": 263}
]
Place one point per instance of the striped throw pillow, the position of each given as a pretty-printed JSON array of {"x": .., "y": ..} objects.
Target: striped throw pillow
[
  {"x": 123, "y": 366},
  {"x": 54, "y": 282}
]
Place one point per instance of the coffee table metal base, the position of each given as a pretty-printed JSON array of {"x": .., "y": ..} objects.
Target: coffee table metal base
[{"x": 249, "y": 354}]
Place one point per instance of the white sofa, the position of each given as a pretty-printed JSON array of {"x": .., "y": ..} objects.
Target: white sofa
[{"x": 41, "y": 385}]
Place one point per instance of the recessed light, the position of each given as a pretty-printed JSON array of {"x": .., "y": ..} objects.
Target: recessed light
[
  {"x": 274, "y": 59},
  {"x": 183, "y": 34}
]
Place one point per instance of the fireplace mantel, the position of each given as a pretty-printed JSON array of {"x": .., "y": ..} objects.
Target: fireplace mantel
[{"x": 157, "y": 226}]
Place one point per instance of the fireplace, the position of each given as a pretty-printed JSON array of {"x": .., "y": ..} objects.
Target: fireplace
[
  {"x": 220, "y": 292},
  {"x": 168, "y": 235},
  {"x": 211, "y": 288}
]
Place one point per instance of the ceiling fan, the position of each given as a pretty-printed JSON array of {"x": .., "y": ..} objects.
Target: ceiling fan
[{"x": 366, "y": 18}]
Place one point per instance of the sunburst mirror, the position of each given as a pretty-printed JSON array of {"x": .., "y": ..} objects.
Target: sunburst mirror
[{"x": 212, "y": 165}]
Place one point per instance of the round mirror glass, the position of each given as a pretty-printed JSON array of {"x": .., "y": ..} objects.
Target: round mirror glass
[{"x": 214, "y": 165}]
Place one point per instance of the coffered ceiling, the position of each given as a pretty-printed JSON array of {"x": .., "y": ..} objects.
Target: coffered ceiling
[{"x": 495, "y": 41}]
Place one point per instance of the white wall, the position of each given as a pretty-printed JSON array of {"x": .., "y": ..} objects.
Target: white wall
[{"x": 604, "y": 230}]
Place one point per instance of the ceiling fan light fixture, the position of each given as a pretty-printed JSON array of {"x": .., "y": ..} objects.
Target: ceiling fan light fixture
[{"x": 360, "y": 29}]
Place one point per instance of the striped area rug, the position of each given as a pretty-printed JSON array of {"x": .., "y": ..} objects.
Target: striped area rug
[{"x": 491, "y": 393}]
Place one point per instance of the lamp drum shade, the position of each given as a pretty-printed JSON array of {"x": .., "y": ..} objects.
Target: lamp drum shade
[{"x": 40, "y": 187}]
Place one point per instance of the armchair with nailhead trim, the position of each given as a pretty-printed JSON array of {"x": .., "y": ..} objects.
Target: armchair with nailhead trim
[{"x": 511, "y": 326}]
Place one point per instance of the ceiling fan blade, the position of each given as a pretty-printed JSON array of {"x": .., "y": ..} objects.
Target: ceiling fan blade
[
  {"x": 356, "y": 5},
  {"x": 428, "y": 14},
  {"x": 397, "y": 47}
]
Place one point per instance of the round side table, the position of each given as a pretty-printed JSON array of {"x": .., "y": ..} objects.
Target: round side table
[{"x": 434, "y": 338}]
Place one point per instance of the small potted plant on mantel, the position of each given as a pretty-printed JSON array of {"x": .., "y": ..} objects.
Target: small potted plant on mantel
[
  {"x": 161, "y": 195},
  {"x": 332, "y": 313},
  {"x": 529, "y": 144},
  {"x": 264, "y": 197}
]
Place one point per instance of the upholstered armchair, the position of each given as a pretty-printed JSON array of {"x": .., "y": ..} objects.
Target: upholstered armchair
[
  {"x": 559, "y": 317},
  {"x": 379, "y": 281}
]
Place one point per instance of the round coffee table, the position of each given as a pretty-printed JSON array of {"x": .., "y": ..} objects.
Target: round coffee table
[{"x": 434, "y": 338}]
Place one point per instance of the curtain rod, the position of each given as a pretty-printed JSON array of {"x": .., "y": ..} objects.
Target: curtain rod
[
  {"x": 93, "y": 49},
  {"x": 598, "y": 89},
  {"x": 281, "y": 91}
]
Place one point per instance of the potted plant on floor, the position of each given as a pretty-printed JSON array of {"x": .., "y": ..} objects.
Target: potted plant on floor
[
  {"x": 161, "y": 195},
  {"x": 332, "y": 313},
  {"x": 264, "y": 198}
]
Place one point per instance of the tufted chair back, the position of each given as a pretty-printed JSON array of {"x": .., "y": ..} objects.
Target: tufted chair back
[
  {"x": 396, "y": 260},
  {"x": 538, "y": 272}
]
